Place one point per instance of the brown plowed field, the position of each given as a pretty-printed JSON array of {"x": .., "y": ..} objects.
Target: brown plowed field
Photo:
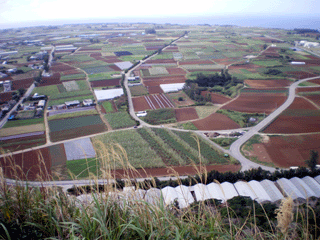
[
  {"x": 24, "y": 142},
  {"x": 186, "y": 114},
  {"x": 71, "y": 72},
  {"x": 60, "y": 67},
  {"x": 215, "y": 121},
  {"x": 314, "y": 98},
  {"x": 29, "y": 166},
  {"x": 140, "y": 104},
  {"x": 105, "y": 83},
  {"x": 114, "y": 67},
  {"x": 308, "y": 89},
  {"x": 111, "y": 59},
  {"x": 316, "y": 81},
  {"x": 268, "y": 83},
  {"x": 25, "y": 83},
  {"x": 216, "y": 98},
  {"x": 300, "y": 117},
  {"x": 77, "y": 132},
  {"x": 204, "y": 70},
  {"x": 95, "y": 55},
  {"x": 206, "y": 62},
  {"x": 244, "y": 66},
  {"x": 58, "y": 154},
  {"x": 181, "y": 171},
  {"x": 256, "y": 102},
  {"x": 53, "y": 80},
  {"x": 176, "y": 71},
  {"x": 163, "y": 80},
  {"x": 154, "y": 89},
  {"x": 301, "y": 74},
  {"x": 287, "y": 151}
]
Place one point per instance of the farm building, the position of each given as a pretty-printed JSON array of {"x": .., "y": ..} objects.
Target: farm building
[
  {"x": 87, "y": 102},
  {"x": 108, "y": 94},
  {"x": 173, "y": 87},
  {"x": 142, "y": 114},
  {"x": 72, "y": 103},
  {"x": 297, "y": 63}
]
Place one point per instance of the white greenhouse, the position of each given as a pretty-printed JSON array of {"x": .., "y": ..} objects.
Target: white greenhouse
[
  {"x": 169, "y": 194},
  {"x": 313, "y": 184},
  {"x": 261, "y": 194},
  {"x": 228, "y": 191},
  {"x": 172, "y": 87},
  {"x": 216, "y": 191},
  {"x": 153, "y": 196},
  {"x": 303, "y": 187},
  {"x": 244, "y": 189},
  {"x": 184, "y": 196},
  {"x": 317, "y": 178},
  {"x": 201, "y": 192},
  {"x": 290, "y": 189},
  {"x": 273, "y": 192}
]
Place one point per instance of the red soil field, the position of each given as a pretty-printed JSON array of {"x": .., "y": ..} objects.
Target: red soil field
[
  {"x": 109, "y": 59},
  {"x": 156, "y": 81},
  {"x": 204, "y": 70},
  {"x": 287, "y": 151},
  {"x": 308, "y": 89},
  {"x": 87, "y": 49},
  {"x": 300, "y": 117},
  {"x": 301, "y": 74},
  {"x": 244, "y": 66},
  {"x": 105, "y": 83},
  {"x": 215, "y": 121},
  {"x": 268, "y": 83},
  {"x": 314, "y": 98},
  {"x": 5, "y": 96},
  {"x": 140, "y": 104},
  {"x": 114, "y": 67},
  {"x": 160, "y": 61},
  {"x": 95, "y": 55},
  {"x": 216, "y": 98},
  {"x": 196, "y": 62},
  {"x": 153, "y": 48},
  {"x": 176, "y": 71},
  {"x": 25, "y": 83},
  {"x": 154, "y": 89},
  {"x": 29, "y": 166},
  {"x": 173, "y": 171},
  {"x": 256, "y": 102},
  {"x": 186, "y": 114},
  {"x": 53, "y": 80},
  {"x": 316, "y": 81}
]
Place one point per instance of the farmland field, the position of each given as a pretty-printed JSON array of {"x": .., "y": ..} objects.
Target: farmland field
[
  {"x": 20, "y": 143},
  {"x": 138, "y": 151},
  {"x": 75, "y": 127},
  {"x": 120, "y": 120},
  {"x": 300, "y": 117},
  {"x": 185, "y": 114},
  {"x": 287, "y": 151},
  {"x": 138, "y": 90},
  {"x": 215, "y": 121}
]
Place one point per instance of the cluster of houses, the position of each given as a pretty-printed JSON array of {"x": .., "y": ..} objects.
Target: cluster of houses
[
  {"x": 307, "y": 44},
  {"x": 73, "y": 104}
]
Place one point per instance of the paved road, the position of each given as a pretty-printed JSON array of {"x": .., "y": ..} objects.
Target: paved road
[{"x": 235, "y": 147}]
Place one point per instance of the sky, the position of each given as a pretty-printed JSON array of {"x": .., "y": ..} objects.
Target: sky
[{"x": 16, "y": 13}]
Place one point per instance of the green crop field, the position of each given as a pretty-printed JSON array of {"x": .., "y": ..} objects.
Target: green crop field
[
  {"x": 72, "y": 123},
  {"x": 107, "y": 106},
  {"x": 103, "y": 76},
  {"x": 268, "y": 63},
  {"x": 83, "y": 168},
  {"x": 138, "y": 151},
  {"x": 119, "y": 120},
  {"x": 74, "y": 114},
  {"x": 160, "y": 116},
  {"x": 138, "y": 90},
  {"x": 72, "y": 77},
  {"x": 46, "y": 90},
  {"x": 25, "y": 122}
]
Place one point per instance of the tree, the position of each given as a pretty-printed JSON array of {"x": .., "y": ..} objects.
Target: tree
[
  {"x": 313, "y": 160},
  {"x": 150, "y": 31}
]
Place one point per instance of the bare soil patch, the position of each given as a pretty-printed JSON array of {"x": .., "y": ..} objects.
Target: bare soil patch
[
  {"x": 185, "y": 114},
  {"x": 154, "y": 89},
  {"x": 53, "y": 80},
  {"x": 215, "y": 121},
  {"x": 140, "y": 104},
  {"x": 105, "y": 83},
  {"x": 268, "y": 83},
  {"x": 216, "y": 98},
  {"x": 176, "y": 71}
]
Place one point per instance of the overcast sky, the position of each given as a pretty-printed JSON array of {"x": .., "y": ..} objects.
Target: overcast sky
[{"x": 13, "y": 12}]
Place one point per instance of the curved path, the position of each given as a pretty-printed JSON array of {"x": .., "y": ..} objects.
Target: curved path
[{"x": 235, "y": 147}]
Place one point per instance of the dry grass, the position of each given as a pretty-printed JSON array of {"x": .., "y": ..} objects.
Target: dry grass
[{"x": 22, "y": 129}]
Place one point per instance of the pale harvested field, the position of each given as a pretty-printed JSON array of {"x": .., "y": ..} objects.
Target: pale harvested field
[
  {"x": 205, "y": 111},
  {"x": 22, "y": 129}
]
